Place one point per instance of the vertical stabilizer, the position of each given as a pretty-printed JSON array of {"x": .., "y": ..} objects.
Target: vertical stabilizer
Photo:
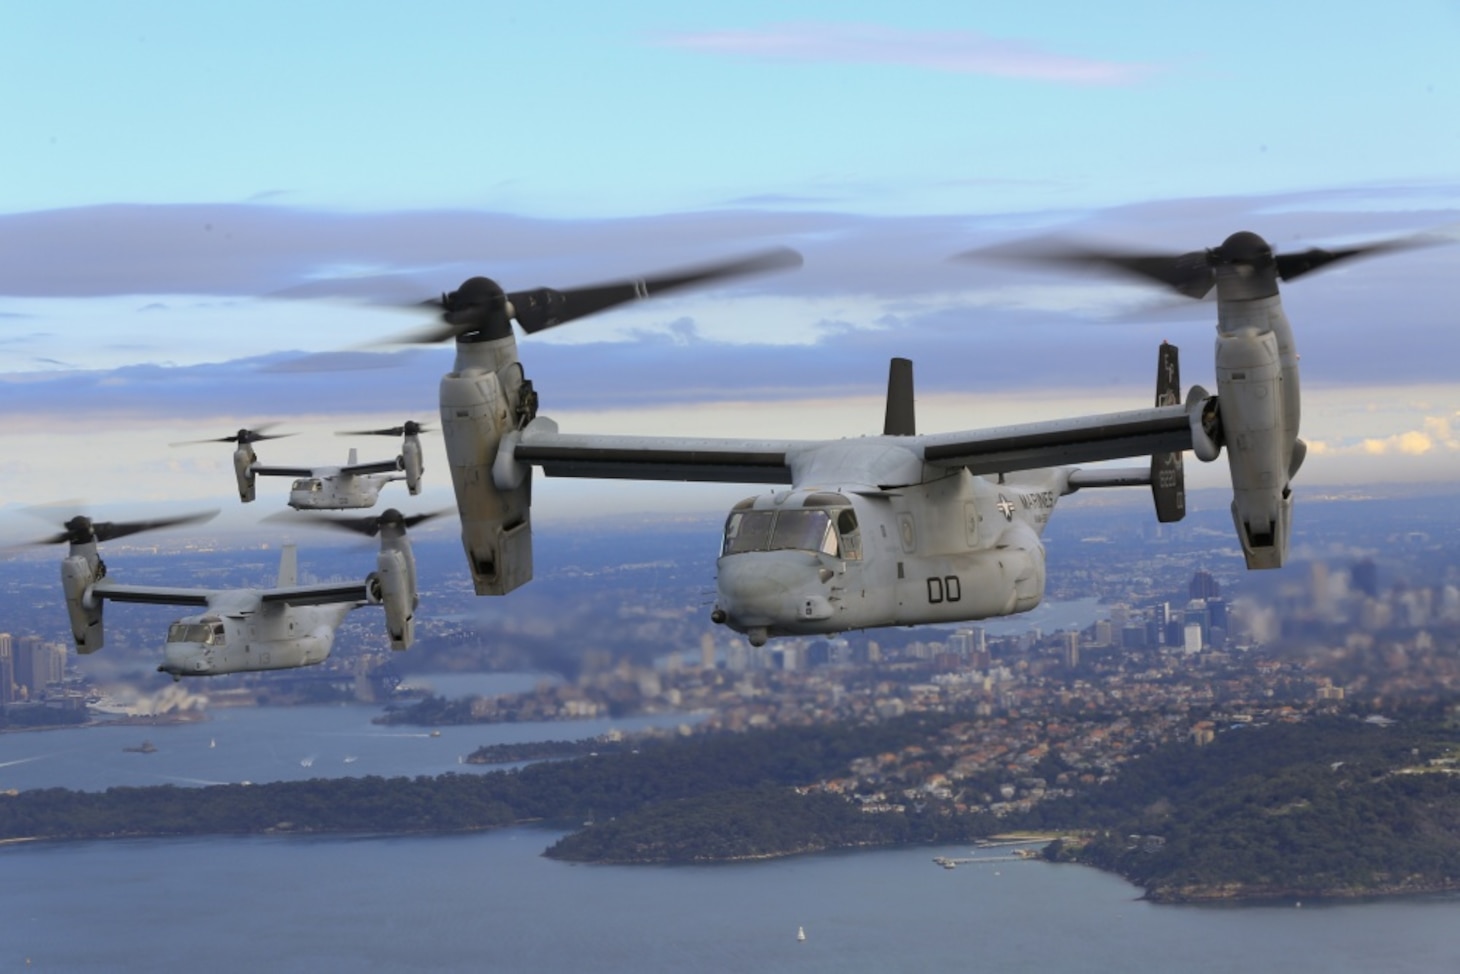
[
  {"x": 288, "y": 567},
  {"x": 354, "y": 458},
  {"x": 1168, "y": 476},
  {"x": 900, "y": 419}
]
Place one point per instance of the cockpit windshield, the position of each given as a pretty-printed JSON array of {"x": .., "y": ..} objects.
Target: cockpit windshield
[
  {"x": 189, "y": 632},
  {"x": 830, "y": 532},
  {"x": 207, "y": 633}
]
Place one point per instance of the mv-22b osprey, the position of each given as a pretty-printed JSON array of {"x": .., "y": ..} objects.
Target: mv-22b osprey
[
  {"x": 353, "y": 485},
  {"x": 240, "y": 630},
  {"x": 902, "y": 528}
]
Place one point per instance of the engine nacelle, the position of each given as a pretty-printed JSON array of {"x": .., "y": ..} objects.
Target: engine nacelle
[
  {"x": 482, "y": 399},
  {"x": 78, "y": 573},
  {"x": 392, "y": 587},
  {"x": 1259, "y": 441},
  {"x": 243, "y": 460},
  {"x": 410, "y": 459}
]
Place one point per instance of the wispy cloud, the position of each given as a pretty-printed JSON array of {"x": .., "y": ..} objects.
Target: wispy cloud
[
  {"x": 871, "y": 288},
  {"x": 1436, "y": 434},
  {"x": 953, "y": 51}
]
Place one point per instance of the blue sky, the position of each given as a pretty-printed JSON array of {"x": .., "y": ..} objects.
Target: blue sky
[{"x": 168, "y": 170}]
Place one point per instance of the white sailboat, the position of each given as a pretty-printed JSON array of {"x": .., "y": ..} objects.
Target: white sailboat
[{"x": 800, "y": 933}]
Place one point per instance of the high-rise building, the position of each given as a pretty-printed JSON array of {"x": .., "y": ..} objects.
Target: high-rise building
[
  {"x": 1196, "y": 615},
  {"x": 1217, "y": 613},
  {"x": 7, "y": 669},
  {"x": 37, "y": 663},
  {"x": 1364, "y": 576},
  {"x": 1204, "y": 586},
  {"x": 1320, "y": 589},
  {"x": 1193, "y": 637},
  {"x": 960, "y": 644},
  {"x": 25, "y": 651}
]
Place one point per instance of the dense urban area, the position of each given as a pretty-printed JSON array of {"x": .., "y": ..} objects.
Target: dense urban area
[{"x": 1152, "y": 636}]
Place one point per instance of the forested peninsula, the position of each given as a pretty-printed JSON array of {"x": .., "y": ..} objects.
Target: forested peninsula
[
  {"x": 702, "y": 798},
  {"x": 1336, "y": 807},
  {"x": 1329, "y": 808}
]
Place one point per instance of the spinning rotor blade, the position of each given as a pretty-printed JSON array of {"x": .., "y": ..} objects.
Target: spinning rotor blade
[
  {"x": 369, "y": 525},
  {"x": 1292, "y": 266},
  {"x": 82, "y": 529},
  {"x": 255, "y": 435},
  {"x": 544, "y": 308},
  {"x": 1193, "y": 274},
  {"x": 1189, "y": 274},
  {"x": 409, "y": 428},
  {"x": 480, "y": 307}
]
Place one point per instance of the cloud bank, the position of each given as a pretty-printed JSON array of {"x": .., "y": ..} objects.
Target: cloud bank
[{"x": 952, "y": 51}]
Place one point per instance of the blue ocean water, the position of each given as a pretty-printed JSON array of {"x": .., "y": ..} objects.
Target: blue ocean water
[
  {"x": 491, "y": 902},
  {"x": 261, "y": 744}
]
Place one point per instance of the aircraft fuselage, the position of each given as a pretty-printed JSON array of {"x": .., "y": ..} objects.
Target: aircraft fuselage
[
  {"x": 956, "y": 548},
  {"x": 334, "y": 492},
  {"x": 274, "y": 637}
]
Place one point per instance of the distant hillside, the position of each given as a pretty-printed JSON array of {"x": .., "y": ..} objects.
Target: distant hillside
[{"x": 1332, "y": 808}]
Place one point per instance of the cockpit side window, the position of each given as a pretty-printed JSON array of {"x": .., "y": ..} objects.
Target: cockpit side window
[
  {"x": 747, "y": 531},
  {"x": 851, "y": 534}
]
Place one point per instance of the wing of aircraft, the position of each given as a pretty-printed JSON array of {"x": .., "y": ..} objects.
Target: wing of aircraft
[
  {"x": 324, "y": 594},
  {"x": 884, "y": 461},
  {"x": 267, "y": 471},
  {"x": 649, "y": 457},
  {"x": 152, "y": 594},
  {"x": 378, "y": 466},
  {"x": 1084, "y": 439}
]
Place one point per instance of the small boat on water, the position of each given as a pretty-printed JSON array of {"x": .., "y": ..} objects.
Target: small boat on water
[
  {"x": 146, "y": 747},
  {"x": 800, "y": 934},
  {"x": 212, "y": 742}
]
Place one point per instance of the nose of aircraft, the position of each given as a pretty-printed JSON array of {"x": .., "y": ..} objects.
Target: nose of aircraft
[
  {"x": 185, "y": 659},
  {"x": 772, "y": 589}
]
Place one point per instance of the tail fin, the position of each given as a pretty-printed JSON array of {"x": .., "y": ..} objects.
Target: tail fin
[
  {"x": 899, "y": 419},
  {"x": 288, "y": 567},
  {"x": 354, "y": 457},
  {"x": 1168, "y": 475}
]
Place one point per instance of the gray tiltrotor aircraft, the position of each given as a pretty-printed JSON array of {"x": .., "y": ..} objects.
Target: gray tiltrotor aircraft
[
  {"x": 240, "y": 630},
  {"x": 901, "y": 528},
  {"x": 353, "y": 485}
]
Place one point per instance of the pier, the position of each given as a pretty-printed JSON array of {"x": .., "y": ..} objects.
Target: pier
[{"x": 1018, "y": 855}]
